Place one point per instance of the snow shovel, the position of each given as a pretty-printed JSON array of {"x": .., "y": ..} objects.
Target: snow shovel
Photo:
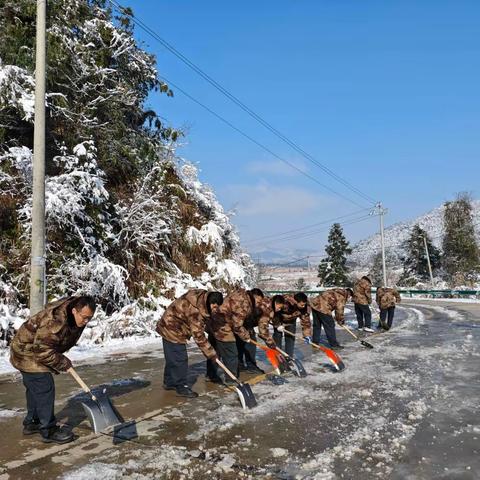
[
  {"x": 99, "y": 410},
  {"x": 332, "y": 356},
  {"x": 277, "y": 361},
  {"x": 273, "y": 356},
  {"x": 363, "y": 342},
  {"x": 244, "y": 391},
  {"x": 295, "y": 365}
]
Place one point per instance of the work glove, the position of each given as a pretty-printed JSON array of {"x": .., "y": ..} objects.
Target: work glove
[
  {"x": 281, "y": 328},
  {"x": 307, "y": 340}
]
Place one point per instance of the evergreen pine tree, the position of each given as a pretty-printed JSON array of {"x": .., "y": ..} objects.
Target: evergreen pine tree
[
  {"x": 332, "y": 270},
  {"x": 415, "y": 263},
  {"x": 461, "y": 257}
]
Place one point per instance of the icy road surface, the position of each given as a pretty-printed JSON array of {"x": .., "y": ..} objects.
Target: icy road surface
[{"x": 406, "y": 410}]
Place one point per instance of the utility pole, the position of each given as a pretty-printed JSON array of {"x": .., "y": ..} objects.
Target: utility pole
[
  {"x": 37, "y": 266},
  {"x": 381, "y": 212},
  {"x": 428, "y": 260}
]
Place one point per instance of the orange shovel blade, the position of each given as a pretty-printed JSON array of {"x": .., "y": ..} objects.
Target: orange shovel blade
[{"x": 273, "y": 357}]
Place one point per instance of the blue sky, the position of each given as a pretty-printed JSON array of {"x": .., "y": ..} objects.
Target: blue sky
[{"x": 384, "y": 93}]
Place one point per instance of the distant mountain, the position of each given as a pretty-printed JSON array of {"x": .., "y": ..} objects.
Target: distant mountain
[
  {"x": 280, "y": 257},
  {"x": 396, "y": 235}
]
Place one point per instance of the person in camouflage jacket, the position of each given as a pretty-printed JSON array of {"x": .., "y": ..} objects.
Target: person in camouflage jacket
[
  {"x": 38, "y": 349},
  {"x": 362, "y": 298},
  {"x": 386, "y": 299},
  {"x": 227, "y": 329},
  {"x": 322, "y": 307},
  {"x": 296, "y": 306},
  {"x": 265, "y": 310},
  {"x": 184, "y": 318}
]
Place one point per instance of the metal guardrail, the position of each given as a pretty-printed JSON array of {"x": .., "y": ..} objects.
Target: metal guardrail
[{"x": 410, "y": 292}]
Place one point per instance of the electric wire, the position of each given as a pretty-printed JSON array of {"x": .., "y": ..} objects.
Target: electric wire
[{"x": 241, "y": 105}]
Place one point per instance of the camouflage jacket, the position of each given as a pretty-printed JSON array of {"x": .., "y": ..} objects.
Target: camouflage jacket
[
  {"x": 236, "y": 313},
  {"x": 290, "y": 314},
  {"x": 187, "y": 317},
  {"x": 387, "y": 297},
  {"x": 329, "y": 301},
  {"x": 264, "y": 317},
  {"x": 40, "y": 342},
  {"x": 362, "y": 292}
]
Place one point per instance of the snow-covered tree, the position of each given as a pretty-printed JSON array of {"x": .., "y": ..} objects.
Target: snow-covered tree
[
  {"x": 461, "y": 256},
  {"x": 127, "y": 220},
  {"x": 415, "y": 263},
  {"x": 332, "y": 270}
]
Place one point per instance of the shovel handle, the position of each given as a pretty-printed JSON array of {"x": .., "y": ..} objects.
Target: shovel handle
[
  {"x": 349, "y": 331},
  {"x": 323, "y": 349},
  {"x": 84, "y": 386},
  {"x": 285, "y": 354},
  {"x": 228, "y": 372},
  {"x": 259, "y": 345}
]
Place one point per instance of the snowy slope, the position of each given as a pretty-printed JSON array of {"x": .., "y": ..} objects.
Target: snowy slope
[{"x": 396, "y": 235}]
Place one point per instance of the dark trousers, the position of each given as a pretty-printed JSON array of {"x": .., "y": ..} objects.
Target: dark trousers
[
  {"x": 289, "y": 340},
  {"x": 387, "y": 313},
  {"x": 228, "y": 354},
  {"x": 40, "y": 390},
  {"x": 328, "y": 323},
  {"x": 364, "y": 315},
  {"x": 176, "y": 364},
  {"x": 247, "y": 352}
]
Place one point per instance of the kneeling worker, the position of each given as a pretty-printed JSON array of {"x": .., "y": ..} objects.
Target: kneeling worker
[
  {"x": 186, "y": 317},
  {"x": 37, "y": 350}
]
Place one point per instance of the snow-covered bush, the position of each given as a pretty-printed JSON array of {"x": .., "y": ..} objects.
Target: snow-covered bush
[{"x": 126, "y": 220}]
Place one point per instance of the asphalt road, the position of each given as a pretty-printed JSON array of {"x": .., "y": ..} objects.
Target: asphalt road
[{"x": 408, "y": 409}]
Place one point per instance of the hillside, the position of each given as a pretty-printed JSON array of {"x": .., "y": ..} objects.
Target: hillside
[
  {"x": 396, "y": 235},
  {"x": 126, "y": 220}
]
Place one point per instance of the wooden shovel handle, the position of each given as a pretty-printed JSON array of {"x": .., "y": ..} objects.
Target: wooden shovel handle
[
  {"x": 282, "y": 352},
  {"x": 84, "y": 386},
  {"x": 259, "y": 345},
  {"x": 349, "y": 331},
  {"x": 228, "y": 372},
  {"x": 323, "y": 349}
]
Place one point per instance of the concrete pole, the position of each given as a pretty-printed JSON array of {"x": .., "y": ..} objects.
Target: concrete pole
[
  {"x": 37, "y": 269},
  {"x": 428, "y": 260},
  {"x": 382, "y": 212}
]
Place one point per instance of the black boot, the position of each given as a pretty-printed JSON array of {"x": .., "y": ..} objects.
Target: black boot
[
  {"x": 58, "y": 435},
  {"x": 254, "y": 369},
  {"x": 186, "y": 391},
  {"x": 31, "y": 428}
]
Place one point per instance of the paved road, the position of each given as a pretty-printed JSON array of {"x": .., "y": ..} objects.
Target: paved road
[{"x": 406, "y": 410}]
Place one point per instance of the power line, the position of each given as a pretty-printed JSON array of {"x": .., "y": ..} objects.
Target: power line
[
  {"x": 280, "y": 234},
  {"x": 256, "y": 142},
  {"x": 314, "y": 232},
  {"x": 241, "y": 105}
]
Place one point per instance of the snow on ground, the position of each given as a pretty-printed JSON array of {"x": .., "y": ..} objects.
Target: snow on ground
[
  {"x": 359, "y": 423},
  {"x": 378, "y": 437},
  {"x": 99, "y": 353}
]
